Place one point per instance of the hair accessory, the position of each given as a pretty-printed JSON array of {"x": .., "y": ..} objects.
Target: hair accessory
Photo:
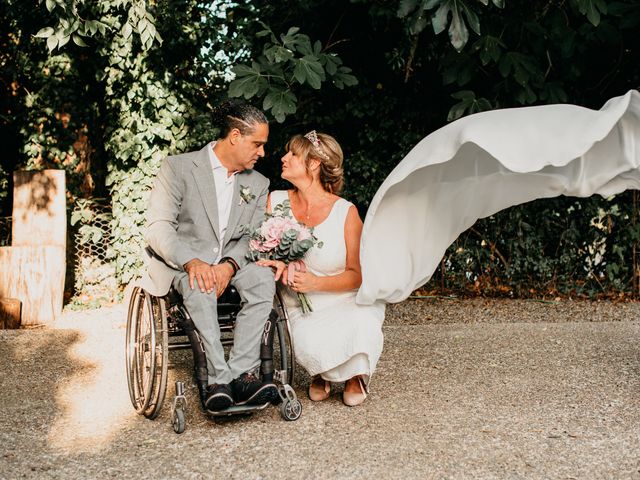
[{"x": 312, "y": 136}]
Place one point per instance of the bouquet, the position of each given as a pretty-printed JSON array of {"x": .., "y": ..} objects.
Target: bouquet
[{"x": 281, "y": 237}]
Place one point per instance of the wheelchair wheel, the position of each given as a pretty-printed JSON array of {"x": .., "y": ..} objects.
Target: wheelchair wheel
[
  {"x": 147, "y": 348},
  {"x": 178, "y": 421},
  {"x": 283, "y": 353},
  {"x": 291, "y": 409}
]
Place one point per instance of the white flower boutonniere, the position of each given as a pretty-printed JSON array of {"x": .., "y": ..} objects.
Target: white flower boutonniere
[{"x": 245, "y": 195}]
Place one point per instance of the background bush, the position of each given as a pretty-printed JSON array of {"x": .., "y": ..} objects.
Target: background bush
[{"x": 106, "y": 89}]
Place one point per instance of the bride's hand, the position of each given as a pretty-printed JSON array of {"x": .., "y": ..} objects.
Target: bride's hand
[
  {"x": 304, "y": 282},
  {"x": 278, "y": 266}
]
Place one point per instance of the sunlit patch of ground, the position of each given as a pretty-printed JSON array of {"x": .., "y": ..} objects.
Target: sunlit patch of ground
[{"x": 94, "y": 403}]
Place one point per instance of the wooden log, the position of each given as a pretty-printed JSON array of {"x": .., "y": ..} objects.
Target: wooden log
[
  {"x": 35, "y": 276},
  {"x": 39, "y": 214},
  {"x": 10, "y": 310}
]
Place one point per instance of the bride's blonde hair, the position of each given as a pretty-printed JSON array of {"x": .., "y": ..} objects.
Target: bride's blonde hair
[{"x": 325, "y": 149}]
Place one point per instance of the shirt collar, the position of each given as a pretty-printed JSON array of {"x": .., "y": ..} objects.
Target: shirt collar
[{"x": 215, "y": 161}]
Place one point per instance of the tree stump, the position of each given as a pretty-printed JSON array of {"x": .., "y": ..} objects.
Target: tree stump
[
  {"x": 35, "y": 276},
  {"x": 32, "y": 269},
  {"x": 10, "y": 312},
  {"x": 39, "y": 214}
]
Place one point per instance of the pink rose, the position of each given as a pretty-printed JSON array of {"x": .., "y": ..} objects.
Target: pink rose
[
  {"x": 304, "y": 234},
  {"x": 257, "y": 246}
]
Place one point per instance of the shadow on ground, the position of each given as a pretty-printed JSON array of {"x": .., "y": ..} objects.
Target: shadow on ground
[{"x": 462, "y": 390}]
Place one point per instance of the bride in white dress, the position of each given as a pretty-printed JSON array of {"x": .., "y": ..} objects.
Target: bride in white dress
[{"x": 339, "y": 341}]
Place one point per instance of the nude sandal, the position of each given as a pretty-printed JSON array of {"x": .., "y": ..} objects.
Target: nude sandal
[
  {"x": 319, "y": 391},
  {"x": 352, "y": 399}
]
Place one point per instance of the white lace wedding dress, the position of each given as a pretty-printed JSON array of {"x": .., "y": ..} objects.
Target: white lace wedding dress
[
  {"x": 338, "y": 339},
  {"x": 484, "y": 163}
]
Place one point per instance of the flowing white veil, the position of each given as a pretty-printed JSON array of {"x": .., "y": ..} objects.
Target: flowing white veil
[{"x": 484, "y": 163}]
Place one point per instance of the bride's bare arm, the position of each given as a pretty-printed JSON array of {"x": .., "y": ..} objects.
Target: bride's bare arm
[{"x": 352, "y": 276}]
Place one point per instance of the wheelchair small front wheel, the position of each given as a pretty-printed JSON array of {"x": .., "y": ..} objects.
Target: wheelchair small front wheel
[
  {"x": 178, "y": 421},
  {"x": 291, "y": 409}
]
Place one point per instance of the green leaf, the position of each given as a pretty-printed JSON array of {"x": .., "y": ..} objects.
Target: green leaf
[
  {"x": 439, "y": 20},
  {"x": 472, "y": 19},
  {"x": 302, "y": 44},
  {"x": 490, "y": 49},
  {"x": 292, "y": 31},
  {"x": 468, "y": 103},
  {"x": 97, "y": 236},
  {"x": 592, "y": 9},
  {"x": 308, "y": 69},
  {"x": 330, "y": 65},
  {"x": 418, "y": 24},
  {"x": 406, "y": 7},
  {"x": 77, "y": 39},
  {"x": 458, "y": 33},
  {"x": 281, "y": 103},
  {"x": 346, "y": 78},
  {"x": 248, "y": 82},
  {"x": 127, "y": 30},
  {"x": 429, "y": 4},
  {"x": 278, "y": 54},
  {"x": 52, "y": 42},
  {"x": 51, "y": 4},
  {"x": 45, "y": 32},
  {"x": 76, "y": 216}
]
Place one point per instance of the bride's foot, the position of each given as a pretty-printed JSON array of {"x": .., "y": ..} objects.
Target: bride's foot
[
  {"x": 319, "y": 389},
  {"x": 354, "y": 392}
]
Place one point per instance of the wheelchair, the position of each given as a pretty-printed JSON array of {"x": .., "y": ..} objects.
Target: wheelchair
[{"x": 158, "y": 325}]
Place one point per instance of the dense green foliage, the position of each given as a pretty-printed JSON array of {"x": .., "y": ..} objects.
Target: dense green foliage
[{"x": 378, "y": 75}]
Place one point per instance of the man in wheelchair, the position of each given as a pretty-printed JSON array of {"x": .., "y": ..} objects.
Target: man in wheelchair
[{"x": 201, "y": 208}]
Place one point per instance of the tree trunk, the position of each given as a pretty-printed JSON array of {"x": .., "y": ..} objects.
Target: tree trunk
[
  {"x": 32, "y": 269},
  {"x": 39, "y": 208},
  {"x": 35, "y": 276}
]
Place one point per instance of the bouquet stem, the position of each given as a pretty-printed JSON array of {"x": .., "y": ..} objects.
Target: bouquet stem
[{"x": 305, "y": 303}]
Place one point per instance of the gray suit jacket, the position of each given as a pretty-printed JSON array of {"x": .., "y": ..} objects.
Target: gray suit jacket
[{"x": 182, "y": 219}]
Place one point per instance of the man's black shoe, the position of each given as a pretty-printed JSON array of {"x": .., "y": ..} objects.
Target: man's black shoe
[
  {"x": 219, "y": 397},
  {"x": 249, "y": 390}
]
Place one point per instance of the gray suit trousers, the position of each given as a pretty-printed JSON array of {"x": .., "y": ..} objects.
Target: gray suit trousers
[{"x": 256, "y": 288}]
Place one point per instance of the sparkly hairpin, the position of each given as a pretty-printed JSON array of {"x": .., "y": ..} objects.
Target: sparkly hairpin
[{"x": 312, "y": 136}]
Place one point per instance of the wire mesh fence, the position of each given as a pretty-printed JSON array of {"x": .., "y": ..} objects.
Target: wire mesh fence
[{"x": 95, "y": 281}]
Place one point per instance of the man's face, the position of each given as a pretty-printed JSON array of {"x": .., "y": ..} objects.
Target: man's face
[{"x": 250, "y": 147}]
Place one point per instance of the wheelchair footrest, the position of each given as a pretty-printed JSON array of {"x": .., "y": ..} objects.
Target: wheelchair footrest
[{"x": 237, "y": 410}]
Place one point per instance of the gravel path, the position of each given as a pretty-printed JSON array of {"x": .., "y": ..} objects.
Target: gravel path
[{"x": 464, "y": 389}]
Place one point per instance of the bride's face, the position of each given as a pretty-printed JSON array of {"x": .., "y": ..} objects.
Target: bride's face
[{"x": 293, "y": 168}]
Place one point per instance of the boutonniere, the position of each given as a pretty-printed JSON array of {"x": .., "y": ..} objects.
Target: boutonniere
[{"x": 245, "y": 195}]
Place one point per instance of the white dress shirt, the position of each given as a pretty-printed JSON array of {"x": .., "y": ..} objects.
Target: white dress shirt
[{"x": 225, "y": 184}]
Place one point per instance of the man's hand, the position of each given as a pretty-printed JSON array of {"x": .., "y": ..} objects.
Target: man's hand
[
  {"x": 279, "y": 269},
  {"x": 223, "y": 272},
  {"x": 202, "y": 274}
]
